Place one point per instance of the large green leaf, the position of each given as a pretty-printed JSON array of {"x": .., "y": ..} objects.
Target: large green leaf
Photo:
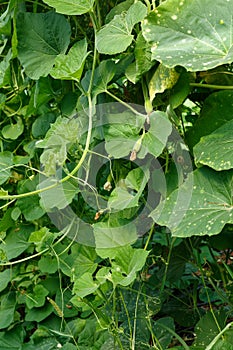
[
  {"x": 41, "y": 38},
  {"x": 60, "y": 135},
  {"x": 194, "y": 34},
  {"x": 216, "y": 111},
  {"x": 29, "y": 206},
  {"x": 104, "y": 73},
  {"x": 12, "y": 339},
  {"x": 7, "y": 309},
  {"x": 216, "y": 149},
  {"x": 59, "y": 196},
  {"x": 5, "y": 277},
  {"x": 16, "y": 241},
  {"x": 116, "y": 36},
  {"x": 85, "y": 285},
  {"x": 70, "y": 66},
  {"x": 112, "y": 237},
  {"x": 210, "y": 207},
  {"x": 71, "y": 7},
  {"x": 81, "y": 260},
  {"x": 208, "y": 327}
]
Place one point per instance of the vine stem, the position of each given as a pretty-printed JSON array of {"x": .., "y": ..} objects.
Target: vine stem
[
  {"x": 148, "y": 4},
  {"x": 167, "y": 265},
  {"x": 149, "y": 236},
  {"x": 125, "y": 104},
  {"x": 210, "y": 86}
]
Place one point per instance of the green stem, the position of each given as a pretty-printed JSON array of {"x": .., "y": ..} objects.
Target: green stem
[
  {"x": 210, "y": 86},
  {"x": 125, "y": 104},
  {"x": 214, "y": 341},
  {"x": 148, "y": 5},
  {"x": 149, "y": 236},
  {"x": 127, "y": 315},
  {"x": 185, "y": 346},
  {"x": 153, "y": 5},
  {"x": 135, "y": 320},
  {"x": 166, "y": 266},
  {"x": 209, "y": 301},
  {"x": 147, "y": 101}
]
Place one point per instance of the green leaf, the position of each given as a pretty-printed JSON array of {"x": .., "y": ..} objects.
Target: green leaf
[
  {"x": 13, "y": 131},
  {"x": 69, "y": 346},
  {"x": 5, "y": 278},
  {"x": 48, "y": 264},
  {"x": 41, "y": 238},
  {"x": 155, "y": 139},
  {"x": 162, "y": 335},
  {"x": 6, "y": 161},
  {"x": 209, "y": 209},
  {"x": 60, "y": 136},
  {"x": 38, "y": 314},
  {"x": 85, "y": 285},
  {"x": 5, "y": 68},
  {"x": 216, "y": 111},
  {"x": 118, "y": 9},
  {"x": 58, "y": 197},
  {"x": 215, "y": 150},
  {"x": 116, "y": 36},
  {"x": 7, "y": 309},
  {"x": 12, "y": 339},
  {"x": 70, "y": 66},
  {"x": 16, "y": 241},
  {"x": 193, "y": 34},
  {"x": 37, "y": 298},
  {"x": 41, "y": 124},
  {"x": 142, "y": 63},
  {"x": 163, "y": 78},
  {"x": 208, "y": 327},
  {"x": 127, "y": 262},
  {"x": 104, "y": 73},
  {"x": 121, "y": 131},
  {"x": 71, "y": 7},
  {"x": 120, "y": 139},
  {"x": 29, "y": 206},
  {"x": 41, "y": 38},
  {"x": 41, "y": 93},
  {"x": 81, "y": 260},
  {"x": 123, "y": 197},
  {"x": 42, "y": 343},
  {"x": 112, "y": 237}
]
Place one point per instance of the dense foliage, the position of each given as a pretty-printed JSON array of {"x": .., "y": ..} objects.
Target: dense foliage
[{"x": 116, "y": 174}]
